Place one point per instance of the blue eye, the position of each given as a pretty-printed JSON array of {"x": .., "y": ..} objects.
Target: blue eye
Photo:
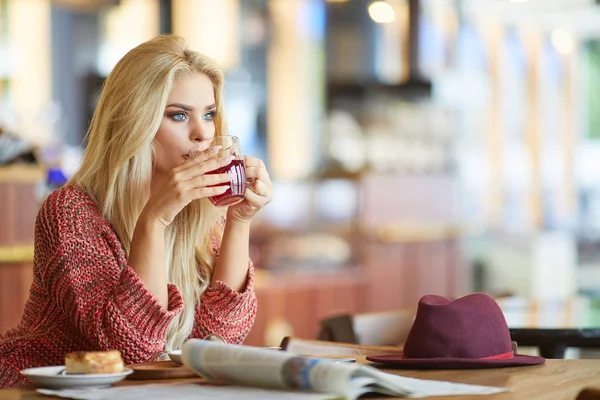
[
  {"x": 178, "y": 116},
  {"x": 209, "y": 116}
]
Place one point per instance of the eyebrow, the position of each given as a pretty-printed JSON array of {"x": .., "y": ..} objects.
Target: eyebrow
[
  {"x": 182, "y": 106},
  {"x": 190, "y": 108}
]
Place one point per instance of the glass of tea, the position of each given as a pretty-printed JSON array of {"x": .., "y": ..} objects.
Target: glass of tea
[{"x": 230, "y": 146}]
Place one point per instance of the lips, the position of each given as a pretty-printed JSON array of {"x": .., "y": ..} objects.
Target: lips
[{"x": 189, "y": 156}]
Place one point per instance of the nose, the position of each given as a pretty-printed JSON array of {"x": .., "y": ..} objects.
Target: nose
[{"x": 199, "y": 132}]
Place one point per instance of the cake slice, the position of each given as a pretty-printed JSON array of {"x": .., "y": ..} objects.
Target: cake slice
[{"x": 94, "y": 362}]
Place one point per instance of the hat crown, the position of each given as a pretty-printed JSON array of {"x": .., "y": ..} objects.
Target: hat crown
[{"x": 470, "y": 327}]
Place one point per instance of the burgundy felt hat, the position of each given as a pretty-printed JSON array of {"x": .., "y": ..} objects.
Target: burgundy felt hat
[{"x": 467, "y": 333}]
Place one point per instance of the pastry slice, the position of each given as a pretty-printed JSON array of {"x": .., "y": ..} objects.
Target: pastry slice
[{"x": 94, "y": 362}]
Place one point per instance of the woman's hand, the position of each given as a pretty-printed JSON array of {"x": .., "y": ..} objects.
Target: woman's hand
[
  {"x": 186, "y": 183},
  {"x": 258, "y": 193}
]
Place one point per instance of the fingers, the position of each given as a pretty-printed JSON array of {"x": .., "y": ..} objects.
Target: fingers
[
  {"x": 256, "y": 200},
  {"x": 261, "y": 189},
  {"x": 208, "y": 180},
  {"x": 258, "y": 194},
  {"x": 254, "y": 163},
  {"x": 195, "y": 157},
  {"x": 258, "y": 173},
  {"x": 202, "y": 167},
  {"x": 208, "y": 185},
  {"x": 255, "y": 169},
  {"x": 200, "y": 154},
  {"x": 193, "y": 177},
  {"x": 209, "y": 191}
]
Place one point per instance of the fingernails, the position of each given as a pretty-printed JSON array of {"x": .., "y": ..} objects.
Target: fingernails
[{"x": 214, "y": 149}]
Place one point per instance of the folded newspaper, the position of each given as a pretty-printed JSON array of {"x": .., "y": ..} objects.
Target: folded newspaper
[{"x": 265, "y": 368}]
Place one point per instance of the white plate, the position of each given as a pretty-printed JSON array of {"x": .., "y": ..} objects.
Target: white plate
[
  {"x": 175, "y": 356},
  {"x": 48, "y": 377}
]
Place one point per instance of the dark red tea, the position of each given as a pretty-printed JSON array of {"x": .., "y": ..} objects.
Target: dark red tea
[{"x": 237, "y": 185}]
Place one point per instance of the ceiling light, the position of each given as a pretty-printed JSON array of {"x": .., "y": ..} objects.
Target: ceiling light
[{"x": 381, "y": 12}]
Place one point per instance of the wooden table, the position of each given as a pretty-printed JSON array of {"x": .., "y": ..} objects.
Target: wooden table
[
  {"x": 553, "y": 325},
  {"x": 557, "y": 380}
]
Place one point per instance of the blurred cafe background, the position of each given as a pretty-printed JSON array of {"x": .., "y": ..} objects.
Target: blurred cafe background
[{"x": 416, "y": 146}]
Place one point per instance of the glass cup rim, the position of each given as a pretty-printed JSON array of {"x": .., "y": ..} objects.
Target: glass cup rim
[
  {"x": 235, "y": 141},
  {"x": 234, "y": 138}
]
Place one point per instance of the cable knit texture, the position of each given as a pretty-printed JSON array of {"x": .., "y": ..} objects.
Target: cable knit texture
[{"x": 85, "y": 296}]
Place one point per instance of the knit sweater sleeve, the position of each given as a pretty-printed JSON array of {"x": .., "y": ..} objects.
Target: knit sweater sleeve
[
  {"x": 226, "y": 312},
  {"x": 86, "y": 274}
]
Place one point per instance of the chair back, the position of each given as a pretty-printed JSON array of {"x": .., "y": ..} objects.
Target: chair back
[{"x": 388, "y": 328}]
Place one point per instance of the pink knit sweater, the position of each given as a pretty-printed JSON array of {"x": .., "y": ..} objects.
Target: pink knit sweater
[{"x": 86, "y": 297}]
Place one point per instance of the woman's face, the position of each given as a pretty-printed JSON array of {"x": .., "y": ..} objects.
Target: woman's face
[{"x": 187, "y": 120}]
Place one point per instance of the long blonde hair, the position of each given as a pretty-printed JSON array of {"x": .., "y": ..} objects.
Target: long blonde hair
[{"x": 118, "y": 162}]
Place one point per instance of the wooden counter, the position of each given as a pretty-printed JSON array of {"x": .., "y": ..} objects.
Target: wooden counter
[
  {"x": 18, "y": 204},
  {"x": 294, "y": 303},
  {"x": 18, "y": 253},
  {"x": 22, "y": 174},
  {"x": 18, "y": 211}
]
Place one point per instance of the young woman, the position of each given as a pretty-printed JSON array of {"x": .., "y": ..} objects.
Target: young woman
[{"x": 130, "y": 254}]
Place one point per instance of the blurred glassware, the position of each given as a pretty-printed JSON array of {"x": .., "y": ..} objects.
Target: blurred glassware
[
  {"x": 345, "y": 144},
  {"x": 15, "y": 149}
]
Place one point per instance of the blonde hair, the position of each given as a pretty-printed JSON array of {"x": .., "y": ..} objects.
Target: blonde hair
[{"x": 118, "y": 162}]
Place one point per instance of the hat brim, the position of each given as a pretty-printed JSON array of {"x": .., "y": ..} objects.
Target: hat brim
[{"x": 396, "y": 361}]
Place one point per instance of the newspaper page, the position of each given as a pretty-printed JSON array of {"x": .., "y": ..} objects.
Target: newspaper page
[
  {"x": 267, "y": 368},
  {"x": 392, "y": 385},
  {"x": 253, "y": 366}
]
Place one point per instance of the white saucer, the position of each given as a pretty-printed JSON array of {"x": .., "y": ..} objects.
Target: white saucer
[
  {"x": 48, "y": 377},
  {"x": 175, "y": 356}
]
